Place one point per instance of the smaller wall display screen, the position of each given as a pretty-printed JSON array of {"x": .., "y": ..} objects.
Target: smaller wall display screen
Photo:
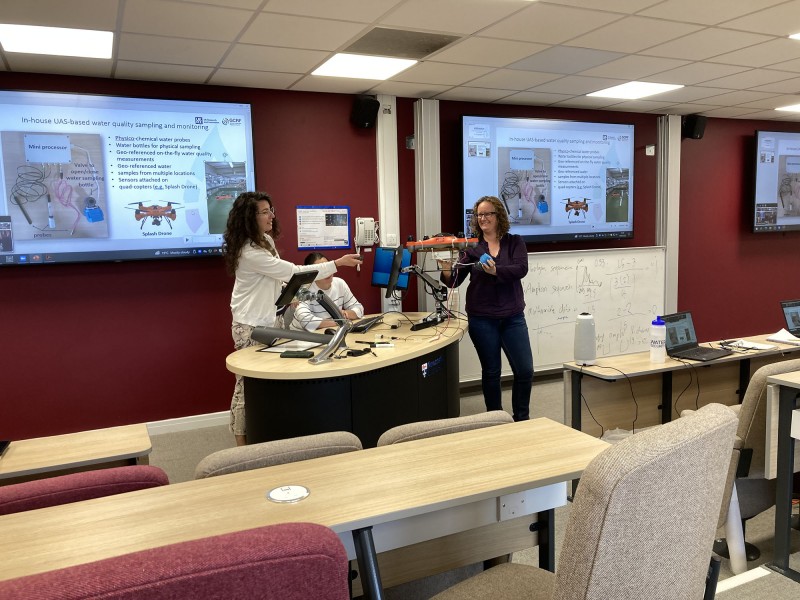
[
  {"x": 777, "y": 194},
  {"x": 102, "y": 178},
  {"x": 559, "y": 180}
]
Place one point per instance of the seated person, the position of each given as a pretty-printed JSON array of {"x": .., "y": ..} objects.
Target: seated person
[{"x": 311, "y": 315}]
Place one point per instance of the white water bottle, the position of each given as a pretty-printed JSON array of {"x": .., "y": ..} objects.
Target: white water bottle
[{"x": 658, "y": 341}]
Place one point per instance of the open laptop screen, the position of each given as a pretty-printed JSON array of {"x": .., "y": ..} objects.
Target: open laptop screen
[
  {"x": 791, "y": 311},
  {"x": 680, "y": 331}
]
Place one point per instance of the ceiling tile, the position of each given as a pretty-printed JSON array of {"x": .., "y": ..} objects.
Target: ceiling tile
[
  {"x": 728, "y": 112},
  {"x": 451, "y": 16},
  {"x": 510, "y": 79},
  {"x": 300, "y": 32},
  {"x": 781, "y": 20},
  {"x": 487, "y": 52},
  {"x": 467, "y": 94},
  {"x": 690, "y": 108},
  {"x": 548, "y": 24},
  {"x": 633, "y": 34},
  {"x": 588, "y": 102},
  {"x": 748, "y": 79},
  {"x": 204, "y": 22},
  {"x": 408, "y": 90},
  {"x": 707, "y": 12},
  {"x": 575, "y": 84},
  {"x": 66, "y": 65},
  {"x": 695, "y": 73},
  {"x": 707, "y": 43},
  {"x": 642, "y": 106},
  {"x": 161, "y": 72},
  {"x": 762, "y": 55},
  {"x": 440, "y": 73},
  {"x": 741, "y": 96},
  {"x": 265, "y": 58},
  {"x": 691, "y": 94},
  {"x": 789, "y": 65},
  {"x": 771, "y": 103},
  {"x": 633, "y": 67},
  {"x": 621, "y": 6},
  {"x": 338, "y": 85},
  {"x": 177, "y": 51},
  {"x": 254, "y": 79},
  {"x": 565, "y": 60},
  {"x": 787, "y": 86},
  {"x": 347, "y": 10},
  {"x": 80, "y": 14},
  {"x": 535, "y": 98}
]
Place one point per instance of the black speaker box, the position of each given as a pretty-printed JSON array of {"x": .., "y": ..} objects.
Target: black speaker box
[
  {"x": 693, "y": 126},
  {"x": 365, "y": 111}
]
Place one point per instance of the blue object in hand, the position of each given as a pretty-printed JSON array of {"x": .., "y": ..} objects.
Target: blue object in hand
[{"x": 486, "y": 258}]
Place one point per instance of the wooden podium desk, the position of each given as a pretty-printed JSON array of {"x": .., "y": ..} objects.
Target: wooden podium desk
[
  {"x": 376, "y": 499},
  {"x": 416, "y": 380},
  {"x": 788, "y": 432},
  {"x": 607, "y": 386},
  {"x": 59, "y": 454}
]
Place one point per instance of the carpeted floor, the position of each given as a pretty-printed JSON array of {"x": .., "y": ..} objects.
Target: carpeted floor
[{"x": 178, "y": 453}]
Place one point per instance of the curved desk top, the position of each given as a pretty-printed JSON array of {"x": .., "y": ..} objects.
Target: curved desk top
[{"x": 249, "y": 362}]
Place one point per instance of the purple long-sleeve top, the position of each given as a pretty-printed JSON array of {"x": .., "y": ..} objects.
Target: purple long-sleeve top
[{"x": 489, "y": 295}]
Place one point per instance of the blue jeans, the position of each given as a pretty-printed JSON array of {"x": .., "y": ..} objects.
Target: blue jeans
[{"x": 490, "y": 335}]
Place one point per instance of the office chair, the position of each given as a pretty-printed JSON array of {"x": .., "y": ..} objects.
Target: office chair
[
  {"x": 747, "y": 471},
  {"x": 642, "y": 523},
  {"x": 290, "y": 561},
  {"x": 63, "y": 489},
  {"x": 278, "y": 452}
]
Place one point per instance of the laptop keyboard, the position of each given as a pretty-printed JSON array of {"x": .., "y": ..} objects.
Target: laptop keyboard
[
  {"x": 701, "y": 353},
  {"x": 364, "y": 325}
]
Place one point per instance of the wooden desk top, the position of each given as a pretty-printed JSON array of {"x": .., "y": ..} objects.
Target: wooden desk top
[
  {"x": 787, "y": 379},
  {"x": 71, "y": 450},
  {"x": 269, "y": 365},
  {"x": 638, "y": 363},
  {"x": 347, "y": 491}
]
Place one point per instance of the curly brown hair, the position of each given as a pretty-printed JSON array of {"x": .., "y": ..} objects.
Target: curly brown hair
[
  {"x": 503, "y": 225},
  {"x": 242, "y": 228}
]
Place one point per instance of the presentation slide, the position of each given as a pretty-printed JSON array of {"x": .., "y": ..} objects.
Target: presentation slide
[
  {"x": 559, "y": 180},
  {"x": 93, "y": 178},
  {"x": 777, "y": 194}
]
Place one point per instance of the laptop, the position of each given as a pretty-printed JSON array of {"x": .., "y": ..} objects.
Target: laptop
[
  {"x": 791, "y": 312},
  {"x": 682, "y": 340}
]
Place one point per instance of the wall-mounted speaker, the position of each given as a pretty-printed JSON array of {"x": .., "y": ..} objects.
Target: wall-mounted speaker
[
  {"x": 365, "y": 111},
  {"x": 693, "y": 126}
]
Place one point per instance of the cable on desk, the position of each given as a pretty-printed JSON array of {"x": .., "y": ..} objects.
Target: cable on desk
[
  {"x": 692, "y": 374},
  {"x": 586, "y": 404},
  {"x": 633, "y": 396}
]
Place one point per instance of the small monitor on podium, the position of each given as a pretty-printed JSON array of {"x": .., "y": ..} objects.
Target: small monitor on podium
[
  {"x": 386, "y": 271},
  {"x": 294, "y": 285}
]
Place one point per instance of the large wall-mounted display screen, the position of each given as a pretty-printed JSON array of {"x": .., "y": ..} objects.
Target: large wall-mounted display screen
[
  {"x": 777, "y": 194},
  {"x": 97, "y": 178},
  {"x": 559, "y": 180}
]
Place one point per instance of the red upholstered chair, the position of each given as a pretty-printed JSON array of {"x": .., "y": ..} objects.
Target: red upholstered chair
[
  {"x": 86, "y": 485},
  {"x": 291, "y": 561}
]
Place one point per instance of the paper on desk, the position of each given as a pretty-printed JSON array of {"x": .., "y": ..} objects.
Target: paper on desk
[
  {"x": 748, "y": 345},
  {"x": 784, "y": 337}
]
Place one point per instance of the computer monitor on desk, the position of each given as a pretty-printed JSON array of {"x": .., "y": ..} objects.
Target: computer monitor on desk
[
  {"x": 791, "y": 312},
  {"x": 387, "y": 269}
]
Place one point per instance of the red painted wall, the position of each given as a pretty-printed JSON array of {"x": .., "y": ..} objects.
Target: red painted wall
[
  {"x": 94, "y": 345},
  {"x": 730, "y": 278}
]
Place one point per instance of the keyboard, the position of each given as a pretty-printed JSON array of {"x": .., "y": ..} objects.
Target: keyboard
[
  {"x": 702, "y": 353},
  {"x": 364, "y": 325}
]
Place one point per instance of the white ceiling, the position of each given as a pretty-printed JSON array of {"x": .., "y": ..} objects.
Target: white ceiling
[{"x": 732, "y": 56}]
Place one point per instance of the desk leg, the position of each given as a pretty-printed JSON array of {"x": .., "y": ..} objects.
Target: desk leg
[
  {"x": 368, "y": 563},
  {"x": 783, "y": 495},
  {"x": 545, "y": 527},
  {"x": 666, "y": 397},
  {"x": 576, "y": 412},
  {"x": 744, "y": 377}
]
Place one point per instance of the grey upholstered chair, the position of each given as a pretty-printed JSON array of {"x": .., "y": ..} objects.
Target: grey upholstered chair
[
  {"x": 642, "y": 524},
  {"x": 278, "y": 452},
  {"x": 426, "y": 429},
  {"x": 746, "y": 473}
]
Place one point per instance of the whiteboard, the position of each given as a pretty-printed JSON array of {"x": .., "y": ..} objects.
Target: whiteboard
[{"x": 623, "y": 288}]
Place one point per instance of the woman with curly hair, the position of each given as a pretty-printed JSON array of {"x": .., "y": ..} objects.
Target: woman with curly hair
[
  {"x": 252, "y": 259},
  {"x": 495, "y": 303}
]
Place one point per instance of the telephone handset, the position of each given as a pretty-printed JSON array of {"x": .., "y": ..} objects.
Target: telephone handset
[{"x": 365, "y": 232}]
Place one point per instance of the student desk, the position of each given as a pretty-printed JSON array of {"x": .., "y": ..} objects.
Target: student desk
[
  {"x": 375, "y": 499},
  {"x": 612, "y": 380},
  {"x": 416, "y": 380},
  {"x": 55, "y": 455},
  {"x": 788, "y": 431}
]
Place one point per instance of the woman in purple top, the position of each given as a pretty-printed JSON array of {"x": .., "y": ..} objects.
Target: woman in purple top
[{"x": 495, "y": 303}]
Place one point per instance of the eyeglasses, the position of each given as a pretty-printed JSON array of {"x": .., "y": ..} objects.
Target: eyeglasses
[
  {"x": 488, "y": 215},
  {"x": 267, "y": 211}
]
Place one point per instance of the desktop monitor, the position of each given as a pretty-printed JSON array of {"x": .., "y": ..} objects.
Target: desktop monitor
[
  {"x": 386, "y": 269},
  {"x": 294, "y": 285}
]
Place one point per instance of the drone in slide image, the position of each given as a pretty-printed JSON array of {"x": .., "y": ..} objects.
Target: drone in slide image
[
  {"x": 577, "y": 205},
  {"x": 156, "y": 212}
]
